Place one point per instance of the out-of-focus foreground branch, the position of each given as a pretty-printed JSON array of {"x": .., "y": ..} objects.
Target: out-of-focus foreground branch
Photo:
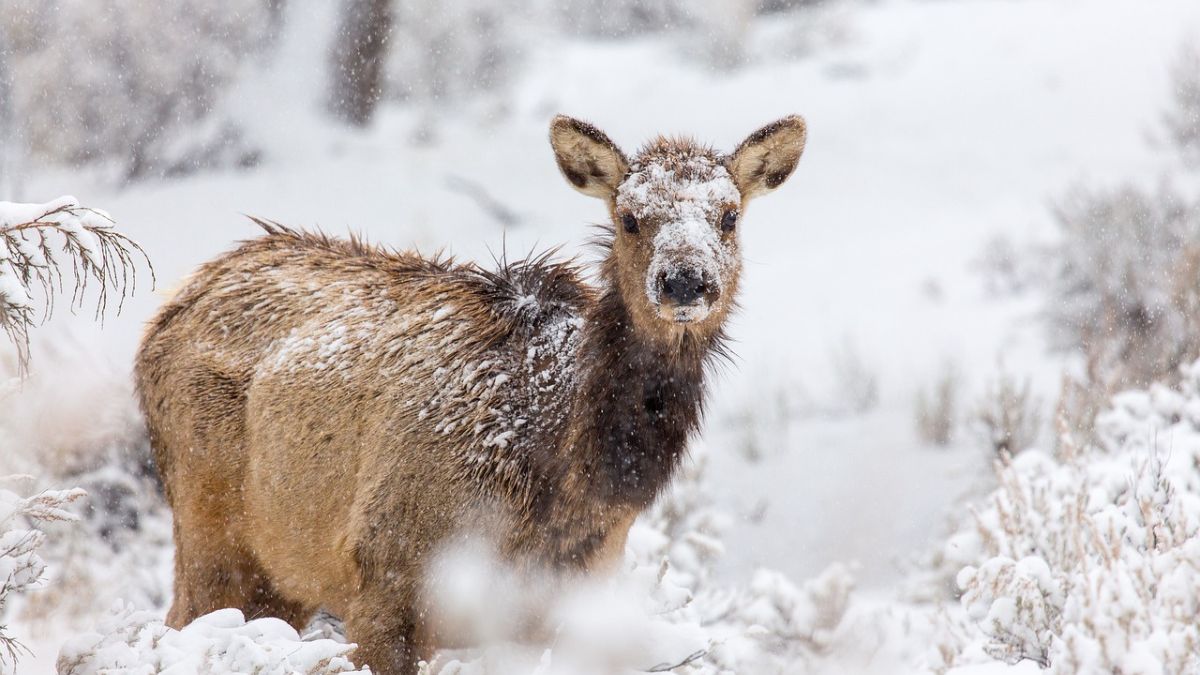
[
  {"x": 41, "y": 244},
  {"x": 20, "y": 566}
]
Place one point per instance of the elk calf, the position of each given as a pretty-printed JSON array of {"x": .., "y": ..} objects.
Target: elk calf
[{"x": 326, "y": 414}]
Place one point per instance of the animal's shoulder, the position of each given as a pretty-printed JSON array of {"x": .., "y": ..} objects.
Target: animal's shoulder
[
  {"x": 269, "y": 272},
  {"x": 523, "y": 290},
  {"x": 352, "y": 253},
  {"x": 530, "y": 293}
]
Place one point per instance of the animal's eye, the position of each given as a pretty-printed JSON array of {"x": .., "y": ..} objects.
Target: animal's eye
[
  {"x": 629, "y": 222},
  {"x": 729, "y": 220}
]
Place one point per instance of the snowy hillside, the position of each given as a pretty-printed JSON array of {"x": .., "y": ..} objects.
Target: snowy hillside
[{"x": 825, "y": 530}]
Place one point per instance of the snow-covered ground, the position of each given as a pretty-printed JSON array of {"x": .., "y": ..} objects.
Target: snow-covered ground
[{"x": 932, "y": 128}]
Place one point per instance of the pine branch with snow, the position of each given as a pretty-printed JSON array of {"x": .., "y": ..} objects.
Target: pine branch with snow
[{"x": 41, "y": 244}]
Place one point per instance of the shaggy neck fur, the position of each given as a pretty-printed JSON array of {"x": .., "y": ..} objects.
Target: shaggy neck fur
[{"x": 640, "y": 400}]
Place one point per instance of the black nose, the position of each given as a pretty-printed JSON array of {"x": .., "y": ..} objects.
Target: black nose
[{"x": 682, "y": 287}]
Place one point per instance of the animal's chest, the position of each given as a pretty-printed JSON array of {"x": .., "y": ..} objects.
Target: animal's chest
[
  {"x": 504, "y": 409},
  {"x": 640, "y": 429}
]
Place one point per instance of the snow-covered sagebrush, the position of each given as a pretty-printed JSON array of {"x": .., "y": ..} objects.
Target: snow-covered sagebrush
[
  {"x": 129, "y": 77},
  {"x": 1089, "y": 561},
  {"x": 1123, "y": 281},
  {"x": 119, "y": 552},
  {"x": 21, "y": 568},
  {"x": 664, "y": 610}
]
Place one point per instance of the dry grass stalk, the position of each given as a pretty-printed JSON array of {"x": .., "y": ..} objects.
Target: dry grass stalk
[
  {"x": 937, "y": 407},
  {"x": 1009, "y": 415},
  {"x": 33, "y": 241},
  {"x": 856, "y": 383}
]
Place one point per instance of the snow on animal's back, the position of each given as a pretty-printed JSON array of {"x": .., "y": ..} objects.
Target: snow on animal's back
[{"x": 484, "y": 359}]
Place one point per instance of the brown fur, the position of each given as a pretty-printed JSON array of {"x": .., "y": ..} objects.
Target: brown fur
[{"x": 326, "y": 414}]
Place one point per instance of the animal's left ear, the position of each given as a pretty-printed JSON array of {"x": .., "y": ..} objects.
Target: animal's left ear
[
  {"x": 767, "y": 157},
  {"x": 590, "y": 161}
]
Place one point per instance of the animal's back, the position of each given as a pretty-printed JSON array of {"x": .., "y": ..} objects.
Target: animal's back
[{"x": 307, "y": 397}]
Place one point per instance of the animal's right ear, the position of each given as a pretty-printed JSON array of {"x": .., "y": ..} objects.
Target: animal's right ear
[{"x": 588, "y": 159}]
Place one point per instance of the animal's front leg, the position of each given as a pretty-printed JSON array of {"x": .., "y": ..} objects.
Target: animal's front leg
[{"x": 383, "y": 623}]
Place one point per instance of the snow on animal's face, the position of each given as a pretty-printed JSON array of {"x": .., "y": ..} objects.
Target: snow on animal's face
[
  {"x": 675, "y": 210},
  {"x": 676, "y": 216}
]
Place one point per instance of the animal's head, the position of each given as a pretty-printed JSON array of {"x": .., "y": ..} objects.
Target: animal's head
[{"x": 676, "y": 209}]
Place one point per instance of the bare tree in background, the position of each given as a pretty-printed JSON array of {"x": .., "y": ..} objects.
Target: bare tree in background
[{"x": 359, "y": 53}]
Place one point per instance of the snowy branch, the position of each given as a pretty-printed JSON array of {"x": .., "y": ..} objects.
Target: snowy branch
[
  {"x": 667, "y": 667},
  {"x": 21, "y": 567},
  {"x": 33, "y": 239}
]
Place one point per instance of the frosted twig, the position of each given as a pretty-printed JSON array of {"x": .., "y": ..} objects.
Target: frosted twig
[
  {"x": 486, "y": 201},
  {"x": 31, "y": 256},
  {"x": 19, "y": 541},
  {"x": 691, "y": 658}
]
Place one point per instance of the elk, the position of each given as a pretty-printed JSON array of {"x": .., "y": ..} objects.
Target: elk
[{"x": 326, "y": 414}]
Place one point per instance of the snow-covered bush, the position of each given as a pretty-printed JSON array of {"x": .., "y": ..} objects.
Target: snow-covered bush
[
  {"x": 21, "y": 567},
  {"x": 121, "y": 550},
  {"x": 221, "y": 642},
  {"x": 127, "y": 76},
  {"x": 665, "y": 611},
  {"x": 642, "y": 618},
  {"x": 74, "y": 420},
  {"x": 1091, "y": 562},
  {"x": 1126, "y": 283},
  {"x": 38, "y": 240},
  {"x": 684, "y": 528},
  {"x": 776, "y": 626},
  {"x": 772, "y": 624}
]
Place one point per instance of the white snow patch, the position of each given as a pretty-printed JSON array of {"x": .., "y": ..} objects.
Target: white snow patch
[
  {"x": 221, "y": 642},
  {"x": 688, "y": 244},
  {"x": 62, "y": 214},
  {"x": 15, "y": 213}
]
